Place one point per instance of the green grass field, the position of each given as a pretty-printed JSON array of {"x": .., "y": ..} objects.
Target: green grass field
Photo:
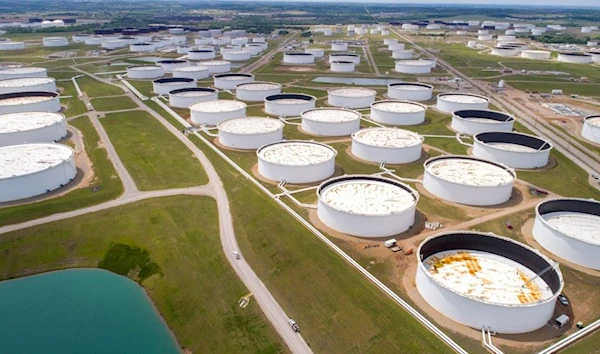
[
  {"x": 194, "y": 287},
  {"x": 113, "y": 103},
  {"x": 73, "y": 105},
  {"x": 105, "y": 185},
  {"x": 587, "y": 345},
  {"x": 95, "y": 88},
  {"x": 153, "y": 156}
]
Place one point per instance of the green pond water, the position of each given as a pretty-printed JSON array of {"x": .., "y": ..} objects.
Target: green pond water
[{"x": 80, "y": 311}]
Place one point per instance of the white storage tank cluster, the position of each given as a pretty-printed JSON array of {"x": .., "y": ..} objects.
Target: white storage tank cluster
[
  {"x": 575, "y": 58},
  {"x": 456, "y": 101},
  {"x": 367, "y": 206},
  {"x": 30, "y": 170},
  {"x": 296, "y": 161},
  {"x": 473, "y": 121},
  {"x": 216, "y": 66},
  {"x": 236, "y": 55},
  {"x": 468, "y": 180},
  {"x": 412, "y": 67},
  {"x": 15, "y": 73},
  {"x": 396, "y": 112},
  {"x": 191, "y": 72},
  {"x": 330, "y": 121},
  {"x": 482, "y": 280},
  {"x": 591, "y": 128},
  {"x": 289, "y": 104},
  {"x": 55, "y": 41},
  {"x": 402, "y": 54},
  {"x": 298, "y": 58},
  {"x": 35, "y": 101},
  {"x": 141, "y": 47},
  {"x": 231, "y": 81},
  {"x": 169, "y": 65},
  {"x": 31, "y": 127},
  {"x": 342, "y": 66},
  {"x": 214, "y": 112},
  {"x": 27, "y": 84},
  {"x": 250, "y": 132},
  {"x": 388, "y": 145},
  {"x": 201, "y": 54},
  {"x": 316, "y": 52},
  {"x": 339, "y": 46},
  {"x": 396, "y": 47},
  {"x": 504, "y": 51},
  {"x": 515, "y": 150},
  {"x": 184, "y": 98},
  {"x": 8, "y": 45},
  {"x": 355, "y": 58},
  {"x": 568, "y": 228},
  {"x": 256, "y": 91},
  {"x": 351, "y": 97},
  {"x": 145, "y": 72},
  {"x": 536, "y": 54},
  {"x": 410, "y": 91},
  {"x": 168, "y": 84}
]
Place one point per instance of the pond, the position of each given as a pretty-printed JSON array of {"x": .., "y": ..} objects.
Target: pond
[{"x": 80, "y": 311}]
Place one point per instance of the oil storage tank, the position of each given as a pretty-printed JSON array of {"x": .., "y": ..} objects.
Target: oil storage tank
[
  {"x": 289, "y": 104},
  {"x": 591, "y": 128},
  {"x": 339, "y": 46},
  {"x": 23, "y": 72},
  {"x": 473, "y": 121},
  {"x": 169, "y": 65},
  {"x": 31, "y": 127},
  {"x": 201, "y": 54},
  {"x": 342, "y": 66},
  {"x": 231, "y": 81},
  {"x": 395, "y": 112},
  {"x": 236, "y": 55},
  {"x": 468, "y": 180},
  {"x": 214, "y": 112},
  {"x": 355, "y": 58},
  {"x": 482, "y": 280},
  {"x": 410, "y": 91},
  {"x": 387, "y": 145},
  {"x": 256, "y": 91},
  {"x": 166, "y": 85},
  {"x": 27, "y": 84},
  {"x": 8, "y": 45},
  {"x": 298, "y": 58},
  {"x": 330, "y": 121},
  {"x": 575, "y": 58},
  {"x": 366, "y": 206},
  {"x": 451, "y": 102},
  {"x": 569, "y": 228},
  {"x": 216, "y": 66},
  {"x": 191, "y": 72},
  {"x": 296, "y": 161},
  {"x": 35, "y": 101},
  {"x": 515, "y": 150},
  {"x": 351, "y": 97},
  {"x": 412, "y": 67},
  {"x": 536, "y": 54},
  {"x": 55, "y": 41},
  {"x": 184, "y": 98},
  {"x": 250, "y": 132},
  {"x": 29, "y": 170},
  {"x": 142, "y": 72}
]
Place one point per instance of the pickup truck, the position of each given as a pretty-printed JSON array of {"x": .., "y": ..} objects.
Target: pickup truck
[{"x": 294, "y": 325}]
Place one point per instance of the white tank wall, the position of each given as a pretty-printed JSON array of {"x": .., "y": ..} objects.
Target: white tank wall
[
  {"x": 389, "y": 155},
  {"x": 114, "y": 44},
  {"x": 186, "y": 101},
  {"x": 330, "y": 128},
  {"x": 350, "y": 102},
  {"x": 183, "y": 49},
  {"x": 504, "y": 52},
  {"x": 288, "y": 110},
  {"x": 484, "y": 37},
  {"x": 165, "y": 88},
  {"x": 317, "y": 52},
  {"x": 237, "y": 55},
  {"x": 513, "y": 159},
  {"x": 575, "y": 251},
  {"x": 255, "y": 95},
  {"x": 398, "y": 93},
  {"x": 591, "y": 132},
  {"x": 397, "y": 118},
  {"x": 191, "y": 74},
  {"x": 412, "y": 67},
  {"x": 464, "y": 194},
  {"x": 472, "y": 127},
  {"x": 389, "y": 41},
  {"x": 94, "y": 40},
  {"x": 339, "y": 47},
  {"x": 224, "y": 67},
  {"x": 574, "y": 59},
  {"x": 136, "y": 48},
  {"x": 249, "y": 141},
  {"x": 296, "y": 174},
  {"x": 224, "y": 84},
  {"x": 47, "y": 134},
  {"x": 169, "y": 67},
  {"x": 365, "y": 225},
  {"x": 201, "y": 55},
  {"x": 476, "y": 314},
  {"x": 298, "y": 59},
  {"x": 215, "y": 118},
  {"x": 353, "y": 58},
  {"x": 396, "y": 46},
  {"x": 450, "y": 107},
  {"x": 342, "y": 67},
  {"x": 12, "y": 45},
  {"x": 34, "y": 184},
  {"x": 595, "y": 57},
  {"x": 50, "y": 105},
  {"x": 55, "y": 41},
  {"x": 145, "y": 74},
  {"x": 49, "y": 86},
  {"x": 533, "y": 54},
  {"x": 402, "y": 54}
]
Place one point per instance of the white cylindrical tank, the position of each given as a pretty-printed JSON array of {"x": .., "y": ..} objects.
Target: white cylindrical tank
[
  {"x": 342, "y": 66},
  {"x": 114, "y": 44},
  {"x": 468, "y": 180},
  {"x": 355, "y": 58},
  {"x": 373, "y": 31},
  {"x": 214, "y": 112},
  {"x": 55, "y": 41},
  {"x": 351, "y": 97},
  {"x": 461, "y": 33},
  {"x": 256, "y": 91},
  {"x": 586, "y": 29},
  {"x": 201, "y": 54},
  {"x": 430, "y": 60},
  {"x": 385, "y": 33},
  {"x": 412, "y": 67},
  {"x": 387, "y": 145},
  {"x": 473, "y": 121},
  {"x": 296, "y": 161},
  {"x": 537, "y": 31},
  {"x": 169, "y": 65},
  {"x": 472, "y": 44},
  {"x": 216, "y": 66},
  {"x": 591, "y": 128},
  {"x": 504, "y": 51},
  {"x": 396, "y": 46},
  {"x": 535, "y": 54},
  {"x": 484, "y": 37},
  {"x": 27, "y": 84},
  {"x": 184, "y": 98},
  {"x": 450, "y": 102},
  {"x": 176, "y": 30},
  {"x": 231, "y": 81},
  {"x": 145, "y": 72},
  {"x": 339, "y": 46},
  {"x": 595, "y": 56},
  {"x": 575, "y": 58},
  {"x": 316, "y": 52},
  {"x": 80, "y": 38},
  {"x": 31, "y": 127},
  {"x": 24, "y": 72},
  {"x": 168, "y": 84},
  {"x": 141, "y": 47},
  {"x": 37, "y": 101},
  {"x": 289, "y": 104},
  {"x": 298, "y": 58},
  {"x": 510, "y": 32},
  {"x": 568, "y": 228},
  {"x": 30, "y": 170},
  {"x": 191, "y": 72},
  {"x": 12, "y": 45},
  {"x": 483, "y": 31},
  {"x": 367, "y": 206},
  {"x": 506, "y": 38},
  {"x": 402, "y": 54},
  {"x": 184, "y": 49},
  {"x": 236, "y": 55},
  {"x": 515, "y": 150},
  {"x": 330, "y": 121},
  {"x": 254, "y": 49},
  {"x": 395, "y": 112},
  {"x": 410, "y": 91},
  {"x": 94, "y": 40},
  {"x": 250, "y": 132},
  {"x": 482, "y": 280},
  {"x": 389, "y": 41}
]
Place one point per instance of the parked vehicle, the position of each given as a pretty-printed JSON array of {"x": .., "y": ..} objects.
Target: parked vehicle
[
  {"x": 236, "y": 254},
  {"x": 563, "y": 300},
  {"x": 294, "y": 325}
]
